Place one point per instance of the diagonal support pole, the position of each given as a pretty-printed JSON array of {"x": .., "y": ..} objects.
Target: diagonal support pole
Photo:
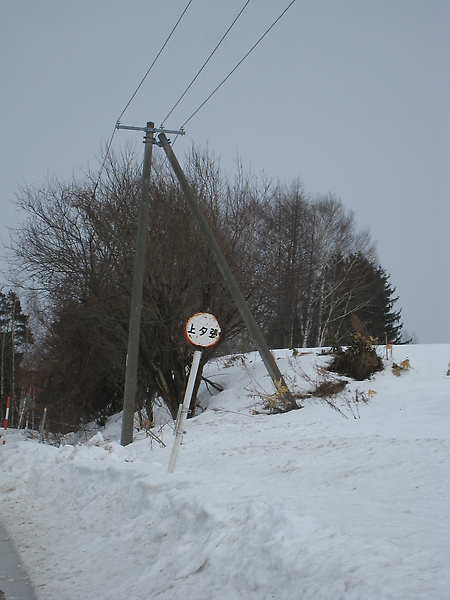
[{"x": 245, "y": 312}]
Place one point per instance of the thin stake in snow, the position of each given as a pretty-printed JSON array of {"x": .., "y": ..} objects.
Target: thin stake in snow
[
  {"x": 6, "y": 418},
  {"x": 41, "y": 433}
]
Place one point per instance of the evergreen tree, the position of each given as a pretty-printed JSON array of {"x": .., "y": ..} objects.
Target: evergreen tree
[
  {"x": 373, "y": 314},
  {"x": 388, "y": 319},
  {"x": 14, "y": 336}
]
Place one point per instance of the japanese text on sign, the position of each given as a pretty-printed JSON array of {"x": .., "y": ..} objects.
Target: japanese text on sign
[{"x": 203, "y": 330}]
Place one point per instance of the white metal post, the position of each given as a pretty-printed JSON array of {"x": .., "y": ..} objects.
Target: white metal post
[{"x": 184, "y": 410}]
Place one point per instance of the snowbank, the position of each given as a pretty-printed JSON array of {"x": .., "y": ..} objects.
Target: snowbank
[{"x": 316, "y": 504}]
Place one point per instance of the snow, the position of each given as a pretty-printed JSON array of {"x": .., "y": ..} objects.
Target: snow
[{"x": 351, "y": 503}]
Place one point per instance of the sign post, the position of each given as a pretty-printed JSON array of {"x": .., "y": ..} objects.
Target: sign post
[{"x": 202, "y": 331}]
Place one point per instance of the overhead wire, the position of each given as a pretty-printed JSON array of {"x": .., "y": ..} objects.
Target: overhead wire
[
  {"x": 205, "y": 63},
  {"x": 108, "y": 148},
  {"x": 156, "y": 58},
  {"x": 238, "y": 64}
]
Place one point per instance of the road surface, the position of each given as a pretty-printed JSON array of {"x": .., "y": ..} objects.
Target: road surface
[{"x": 14, "y": 582}]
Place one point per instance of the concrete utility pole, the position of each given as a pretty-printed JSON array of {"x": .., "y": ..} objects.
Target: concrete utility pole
[
  {"x": 136, "y": 296},
  {"x": 246, "y": 314},
  {"x": 129, "y": 400}
]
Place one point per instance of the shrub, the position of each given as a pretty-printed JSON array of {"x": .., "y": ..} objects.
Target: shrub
[
  {"x": 403, "y": 366},
  {"x": 358, "y": 361}
]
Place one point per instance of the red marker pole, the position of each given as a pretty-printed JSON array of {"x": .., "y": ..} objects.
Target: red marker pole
[{"x": 6, "y": 417}]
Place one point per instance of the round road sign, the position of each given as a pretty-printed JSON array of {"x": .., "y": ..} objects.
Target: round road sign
[{"x": 202, "y": 330}]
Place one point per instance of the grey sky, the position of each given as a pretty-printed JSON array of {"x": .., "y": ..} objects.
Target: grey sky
[{"x": 352, "y": 96}]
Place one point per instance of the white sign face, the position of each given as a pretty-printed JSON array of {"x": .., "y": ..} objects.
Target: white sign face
[{"x": 202, "y": 330}]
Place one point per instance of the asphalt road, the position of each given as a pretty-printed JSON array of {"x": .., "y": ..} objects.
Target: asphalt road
[{"x": 14, "y": 582}]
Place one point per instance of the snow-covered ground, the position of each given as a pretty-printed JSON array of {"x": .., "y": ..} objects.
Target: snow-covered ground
[{"x": 320, "y": 504}]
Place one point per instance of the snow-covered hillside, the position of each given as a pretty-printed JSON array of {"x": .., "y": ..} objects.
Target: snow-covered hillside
[{"x": 322, "y": 504}]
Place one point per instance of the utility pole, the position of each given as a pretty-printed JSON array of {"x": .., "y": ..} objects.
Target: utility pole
[
  {"x": 246, "y": 314},
  {"x": 136, "y": 295},
  {"x": 129, "y": 400}
]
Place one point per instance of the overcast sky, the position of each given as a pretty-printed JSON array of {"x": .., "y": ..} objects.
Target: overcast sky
[{"x": 351, "y": 96}]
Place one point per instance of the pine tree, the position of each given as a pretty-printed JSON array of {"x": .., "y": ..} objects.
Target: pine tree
[
  {"x": 388, "y": 318},
  {"x": 375, "y": 316},
  {"x": 14, "y": 336}
]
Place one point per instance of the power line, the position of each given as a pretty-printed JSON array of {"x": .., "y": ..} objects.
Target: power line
[
  {"x": 238, "y": 64},
  {"x": 205, "y": 63},
  {"x": 156, "y": 58},
  {"x": 108, "y": 148}
]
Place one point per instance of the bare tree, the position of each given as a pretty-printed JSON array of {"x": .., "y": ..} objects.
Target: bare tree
[
  {"x": 310, "y": 242},
  {"x": 77, "y": 249},
  {"x": 301, "y": 262}
]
